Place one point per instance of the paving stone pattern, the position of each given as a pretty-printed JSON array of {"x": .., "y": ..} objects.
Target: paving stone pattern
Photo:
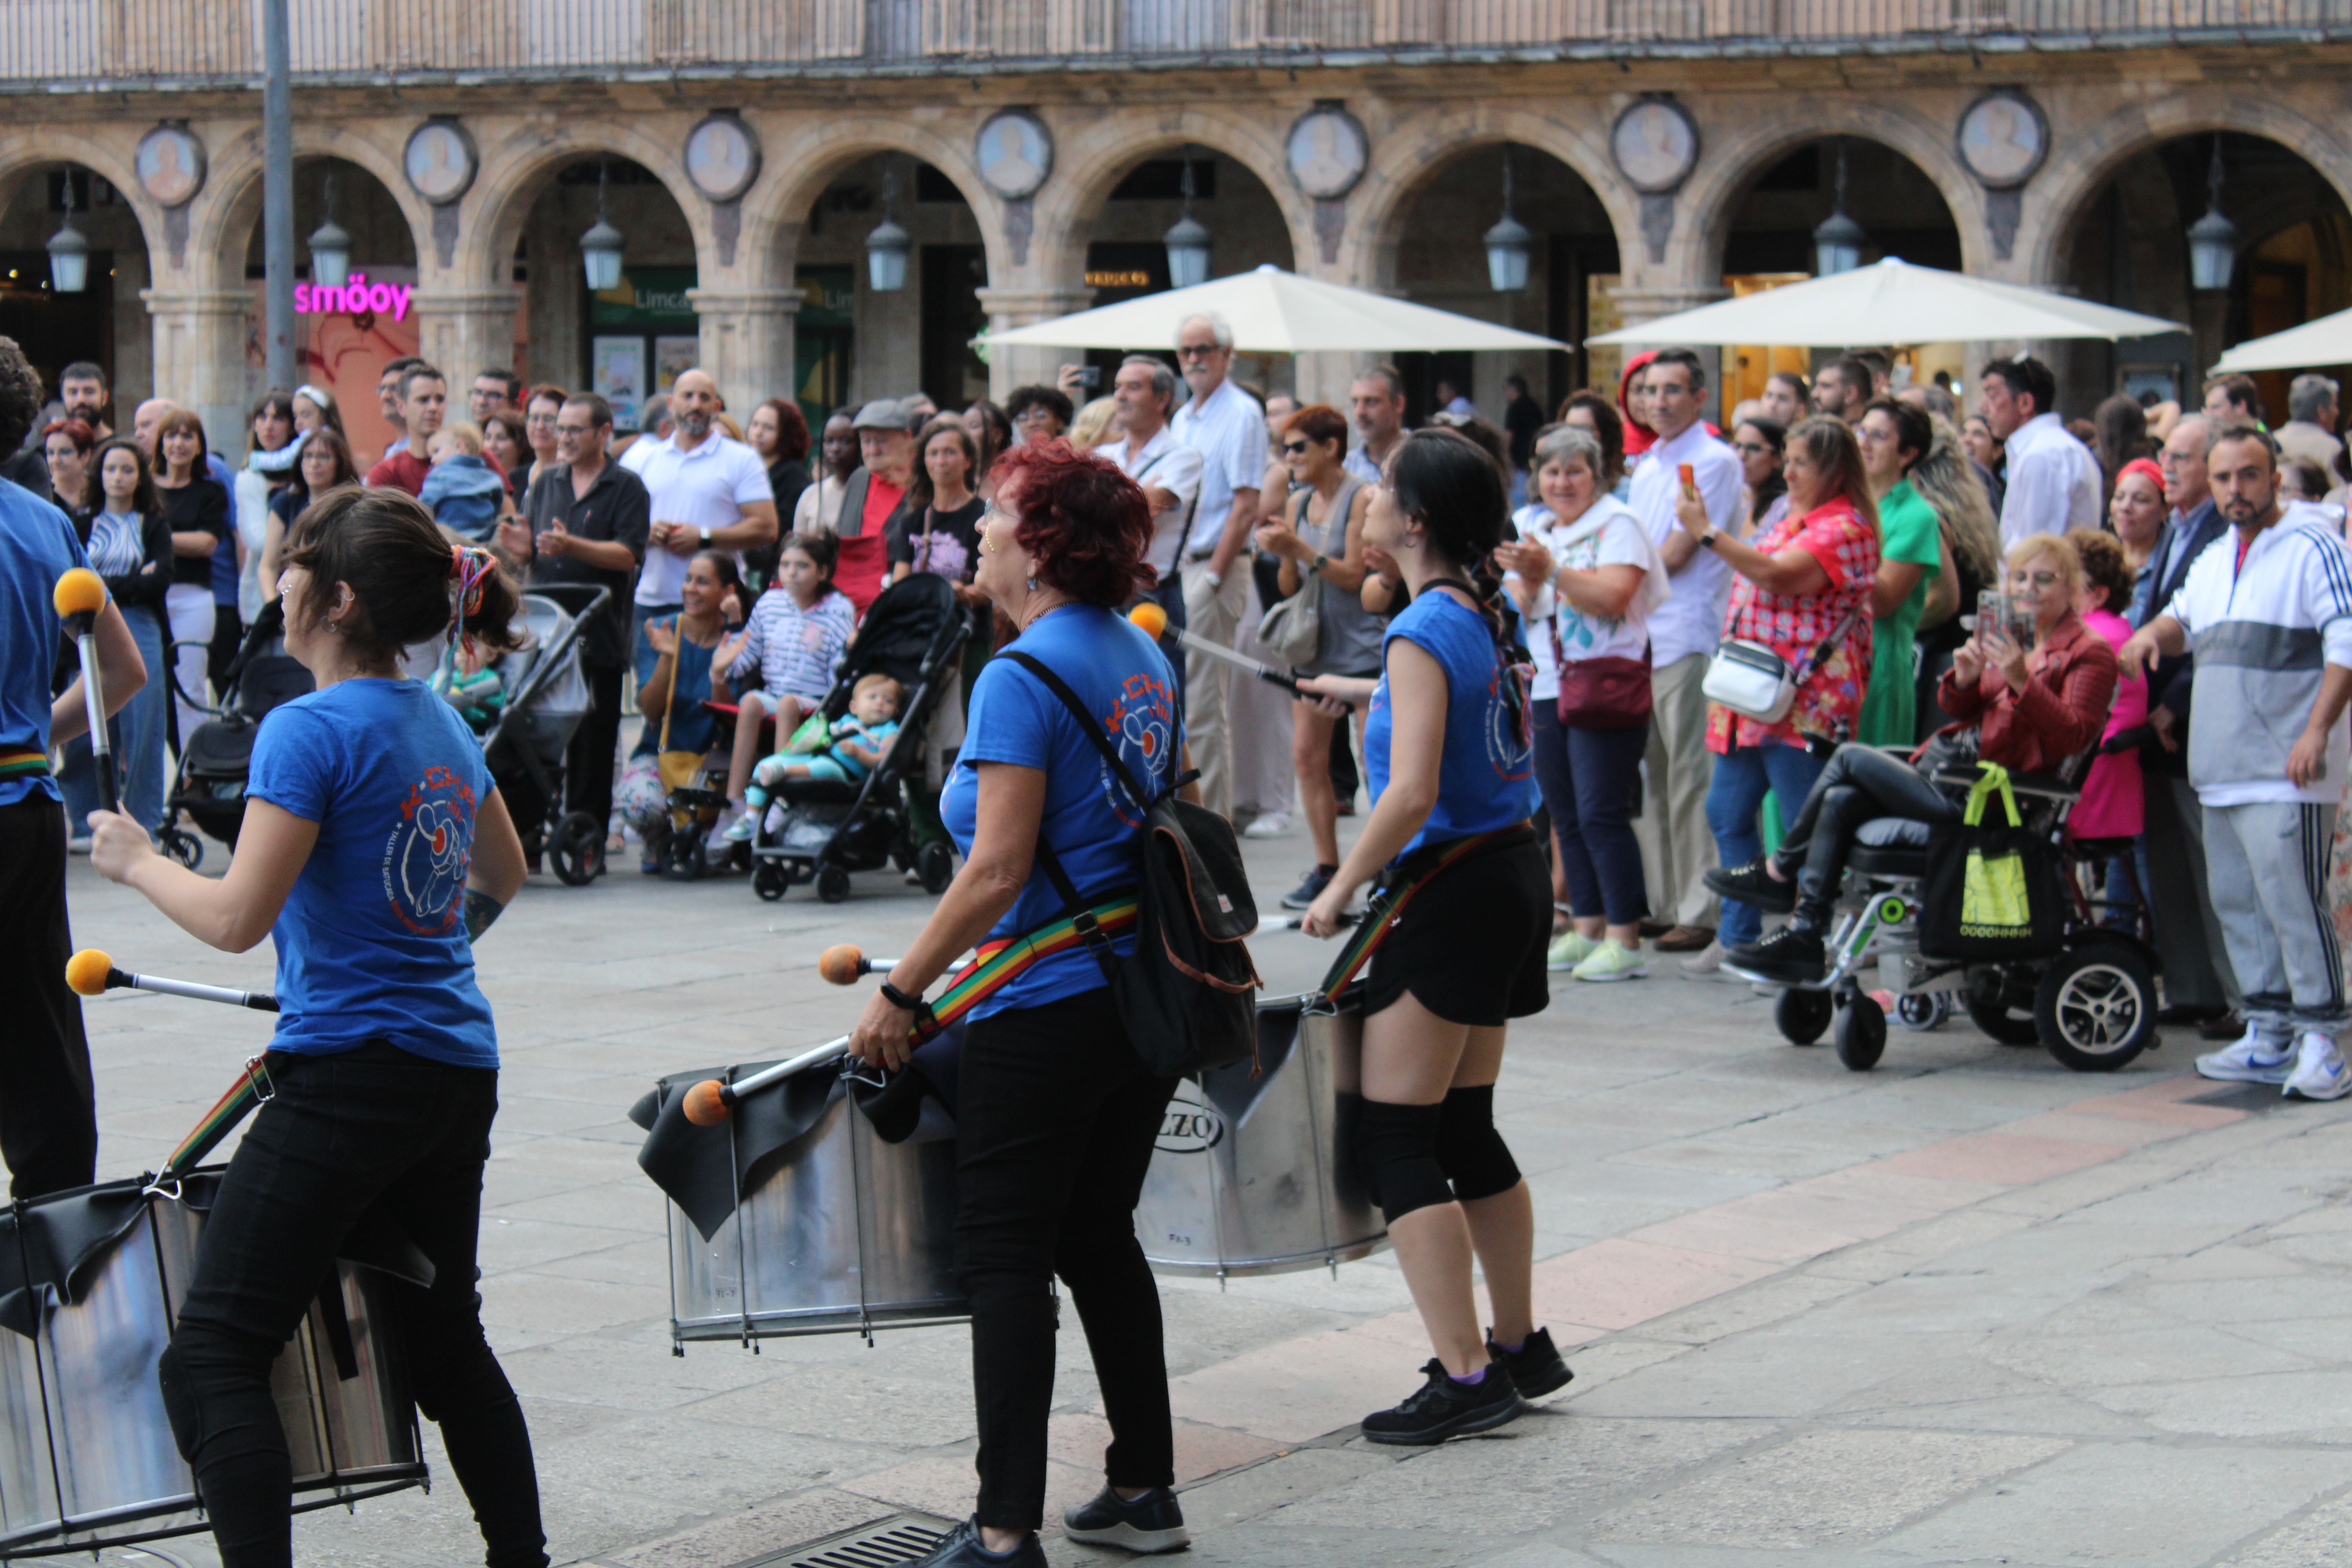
[{"x": 1968, "y": 1309}]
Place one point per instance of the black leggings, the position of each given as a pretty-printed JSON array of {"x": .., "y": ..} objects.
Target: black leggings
[
  {"x": 1055, "y": 1119},
  {"x": 379, "y": 1129},
  {"x": 1859, "y": 783},
  {"x": 49, "y": 1117}
]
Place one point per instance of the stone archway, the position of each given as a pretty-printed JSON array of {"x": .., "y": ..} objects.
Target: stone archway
[{"x": 107, "y": 321}]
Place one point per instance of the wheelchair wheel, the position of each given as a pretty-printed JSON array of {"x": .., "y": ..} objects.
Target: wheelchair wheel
[
  {"x": 2096, "y": 1007},
  {"x": 832, "y": 884},
  {"x": 935, "y": 864},
  {"x": 1861, "y": 1034},
  {"x": 1922, "y": 1010},
  {"x": 577, "y": 847},
  {"x": 1997, "y": 1014},
  {"x": 185, "y": 848},
  {"x": 1802, "y": 1016},
  {"x": 770, "y": 880}
]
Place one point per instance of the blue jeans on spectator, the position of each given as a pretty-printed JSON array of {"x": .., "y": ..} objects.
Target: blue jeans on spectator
[
  {"x": 1589, "y": 778},
  {"x": 1733, "y": 801},
  {"x": 135, "y": 735}
]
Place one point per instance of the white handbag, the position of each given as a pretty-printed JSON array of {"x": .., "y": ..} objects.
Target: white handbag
[{"x": 1749, "y": 678}]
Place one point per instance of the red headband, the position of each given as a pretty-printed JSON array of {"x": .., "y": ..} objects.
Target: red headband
[{"x": 2145, "y": 467}]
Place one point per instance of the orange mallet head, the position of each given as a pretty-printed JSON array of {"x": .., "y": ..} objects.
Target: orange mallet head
[
  {"x": 79, "y": 592},
  {"x": 88, "y": 971},
  {"x": 706, "y": 1104},
  {"x": 841, "y": 964},
  {"x": 1151, "y": 619}
]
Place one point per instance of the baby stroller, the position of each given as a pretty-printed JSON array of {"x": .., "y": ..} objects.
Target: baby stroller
[
  {"x": 215, "y": 760},
  {"x": 546, "y": 696},
  {"x": 2090, "y": 1000},
  {"x": 915, "y": 634}
]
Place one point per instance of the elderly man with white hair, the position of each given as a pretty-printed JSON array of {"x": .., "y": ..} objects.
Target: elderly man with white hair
[
  {"x": 1225, "y": 425},
  {"x": 2310, "y": 429}
]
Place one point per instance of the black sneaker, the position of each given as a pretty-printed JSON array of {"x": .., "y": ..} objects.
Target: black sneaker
[
  {"x": 963, "y": 1549},
  {"x": 1536, "y": 1367},
  {"x": 1754, "y": 886},
  {"x": 1787, "y": 954},
  {"x": 1311, "y": 889},
  {"x": 1442, "y": 1408},
  {"x": 1147, "y": 1524}
]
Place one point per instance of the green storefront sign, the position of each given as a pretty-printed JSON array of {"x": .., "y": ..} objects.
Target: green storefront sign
[{"x": 651, "y": 304}]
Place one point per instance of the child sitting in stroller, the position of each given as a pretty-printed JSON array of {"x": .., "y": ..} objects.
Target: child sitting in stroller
[
  {"x": 851, "y": 747},
  {"x": 795, "y": 637}
]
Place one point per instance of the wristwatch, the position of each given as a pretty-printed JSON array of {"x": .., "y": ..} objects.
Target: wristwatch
[
  {"x": 705, "y": 535},
  {"x": 1321, "y": 561},
  {"x": 1706, "y": 539}
]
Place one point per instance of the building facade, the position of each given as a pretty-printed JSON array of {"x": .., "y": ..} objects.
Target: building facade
[{"x": 1662, "y": 151}]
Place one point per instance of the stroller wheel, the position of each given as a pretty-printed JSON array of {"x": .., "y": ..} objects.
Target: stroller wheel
[
  {"x": 185, "y": 848},
  {"x": 1860, "y": 1034},
  {"x": 832, "y": 884},
  {"x": 577, "y": 847},
  {"x": 682, "y": 856},
  {"x": 935, "y": 864},
  {"x": 1801, "y": 1015},
  {"x": 1924, "y": 1010},
  {"x": 771, "y": 880}
]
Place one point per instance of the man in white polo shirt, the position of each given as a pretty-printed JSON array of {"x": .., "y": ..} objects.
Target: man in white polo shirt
[
  {"x": 1227, "y": 428},
  {"x": 1170, "y": 473},
  {"x": 1677, "y": 845},
  {"x": 2053, "y": 479},
  {"x": 708, "y": 492}
]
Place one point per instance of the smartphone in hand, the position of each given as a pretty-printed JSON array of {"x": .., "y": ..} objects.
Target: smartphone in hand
[{"x": 1690, "y": 481}]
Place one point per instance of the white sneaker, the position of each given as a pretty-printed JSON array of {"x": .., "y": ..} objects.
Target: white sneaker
[
  {"x": 722, "y": 832},
  {"x": 2319, "y": 1070},
  {"x": 1272, "y": 824},
  {"x": 1567, "y": 950},
  {"x": 1707, "y": 963},
  {"x": 2255, "y": 1058}
]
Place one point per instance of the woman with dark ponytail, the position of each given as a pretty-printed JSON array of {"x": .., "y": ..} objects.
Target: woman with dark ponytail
[
  {"x": 1447, "y": 749},
  {"x": 374, "y": 849}
]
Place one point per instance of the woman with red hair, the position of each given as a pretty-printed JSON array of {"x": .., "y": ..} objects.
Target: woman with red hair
[{"x": 1056, "y": 1114}]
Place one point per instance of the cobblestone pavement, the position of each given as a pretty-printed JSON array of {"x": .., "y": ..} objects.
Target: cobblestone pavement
[{"x": 1969, "y": 1308}]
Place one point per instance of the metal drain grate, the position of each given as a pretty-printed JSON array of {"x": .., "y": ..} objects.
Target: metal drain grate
[{"x": 901, "y": 1538}]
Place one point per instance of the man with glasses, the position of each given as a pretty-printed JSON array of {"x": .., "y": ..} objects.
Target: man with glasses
[
  {"x": 1227, "y": 428},
  {"x": 586, "y": 521},
  {"x": 492, "y": 390},
  {"x": 2200, "y": 987},
  {"x": 1169, "y": 474},
  {"x": 1038, "y": 414}
]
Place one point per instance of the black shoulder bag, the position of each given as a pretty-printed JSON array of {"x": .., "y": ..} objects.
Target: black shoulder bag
[{"x": 1188, "y": 994}]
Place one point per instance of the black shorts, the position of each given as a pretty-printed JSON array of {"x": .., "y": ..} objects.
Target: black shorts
[{"x": 1470, "y": 944}]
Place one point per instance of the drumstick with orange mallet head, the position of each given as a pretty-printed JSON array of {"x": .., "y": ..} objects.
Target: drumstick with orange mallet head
[
  {"x": 79, "y": 596},
  {"x": 843, "y": 962},
  {"x": 1153, "y": 620},
  {"x": 91, "y": 973}
]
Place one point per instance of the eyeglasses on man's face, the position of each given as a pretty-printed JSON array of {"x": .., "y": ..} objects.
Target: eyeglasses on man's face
[{"x": 1195, "y": 350}]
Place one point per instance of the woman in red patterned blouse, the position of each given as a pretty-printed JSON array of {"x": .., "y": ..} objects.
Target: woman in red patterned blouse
[{"x": 1805, "y": 582}]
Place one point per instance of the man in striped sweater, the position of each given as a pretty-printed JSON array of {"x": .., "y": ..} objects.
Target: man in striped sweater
[{"x": 2268, "y": 609}]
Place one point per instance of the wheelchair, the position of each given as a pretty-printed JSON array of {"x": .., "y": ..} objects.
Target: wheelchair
[{"x": 2090, "y": 1001}]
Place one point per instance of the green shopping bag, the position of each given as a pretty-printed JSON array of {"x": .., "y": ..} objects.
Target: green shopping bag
[{"x": 1993, "y": 891}]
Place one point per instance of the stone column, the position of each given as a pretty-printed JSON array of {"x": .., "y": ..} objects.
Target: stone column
[
  {"x": 1007, "y": 307},
  {"x": 461, "y": 331},
  {"x": 200, "y": 356},
  {"x": 747, "y": 343}
]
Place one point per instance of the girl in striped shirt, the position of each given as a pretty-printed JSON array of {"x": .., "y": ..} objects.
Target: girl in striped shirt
[{"x": 795, "y": 637}]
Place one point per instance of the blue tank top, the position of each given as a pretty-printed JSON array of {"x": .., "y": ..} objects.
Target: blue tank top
[{"x": 1486, "y": 778}]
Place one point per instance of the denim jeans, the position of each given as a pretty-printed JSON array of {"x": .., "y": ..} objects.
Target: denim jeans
[
  {"x": 135, "y": 735},
  {"x": 1742, "y": 778},
  {"x": 1589, "y": 779},
  {"x": 374, "y": 1128}
]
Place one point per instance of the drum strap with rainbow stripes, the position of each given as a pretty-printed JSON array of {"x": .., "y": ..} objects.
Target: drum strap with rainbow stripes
[
  {"x": 1381, "y": 916},
  {"x": 996, "y": 964},
  {"x": 252, "y": 1089}
]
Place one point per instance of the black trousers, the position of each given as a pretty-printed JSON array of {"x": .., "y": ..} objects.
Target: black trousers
[
  {"x": 588, "y": 763},
  {"x": 48, "y": 1116},
  {"x": 377, "y": 1129},
  {"x": 1859, "y": 783},
  {"x": 1055, "y": 1119}
]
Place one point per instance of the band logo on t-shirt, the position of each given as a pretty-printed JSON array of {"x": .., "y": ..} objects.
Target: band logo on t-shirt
[
  {"x": 424, "y": 860},
  {"x": 1139, "y": 722}
]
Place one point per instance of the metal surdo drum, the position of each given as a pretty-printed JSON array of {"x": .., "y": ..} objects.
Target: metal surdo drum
[
  {"x": 94, "y": 1280},
  {"x": 1253, "y": 1175},
  {"x": 834, "y": 1231}
]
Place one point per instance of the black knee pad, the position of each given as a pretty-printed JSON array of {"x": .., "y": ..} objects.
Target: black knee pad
[
  {"x": 1396, "y": 1150},
  {"x": 1475, "y": 1157}
]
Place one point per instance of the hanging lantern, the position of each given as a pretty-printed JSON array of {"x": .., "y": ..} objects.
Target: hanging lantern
[
  {"x": 2212, "y": 240},
  {"x": 1510, "y": 246},
  {"x": 1188, "y": 241},
  {"x": 887, "y": 247},
  {"x": 330, "y": 247},
  {"x": 1837, "y": 241},
  {"x": 601, "y": 247},
  {"x": 68, "y": 250}
]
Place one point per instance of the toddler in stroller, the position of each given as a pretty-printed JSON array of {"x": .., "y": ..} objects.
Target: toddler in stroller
[{"x": 844, "y": 751}]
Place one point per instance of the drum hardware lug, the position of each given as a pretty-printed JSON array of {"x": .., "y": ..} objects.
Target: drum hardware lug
[
  {"x": 157, "y": 1184},
  {"x": 256, "y": 1072}
]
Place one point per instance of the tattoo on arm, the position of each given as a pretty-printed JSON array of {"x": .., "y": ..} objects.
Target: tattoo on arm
[{"x": 481, "y": 909}]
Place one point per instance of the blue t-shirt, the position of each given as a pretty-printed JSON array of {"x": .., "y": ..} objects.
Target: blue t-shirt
[
  {"x": 1486, "y": 778},
  {"x": 1093, "y": 822},
  {"x": 37, "y": 546},
  {"x": 692, "y": 727},
  {"x": 371, "y": 943}
]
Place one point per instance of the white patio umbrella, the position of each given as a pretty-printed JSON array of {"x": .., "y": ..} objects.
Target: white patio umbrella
[
  {"x": 1273, "y": 311},
  {"x": 2327, "y": 340},
  {"x": 1890, "y": 302}
]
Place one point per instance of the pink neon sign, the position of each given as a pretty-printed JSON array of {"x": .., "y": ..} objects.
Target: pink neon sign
[{"x": 357, "y": 297}]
